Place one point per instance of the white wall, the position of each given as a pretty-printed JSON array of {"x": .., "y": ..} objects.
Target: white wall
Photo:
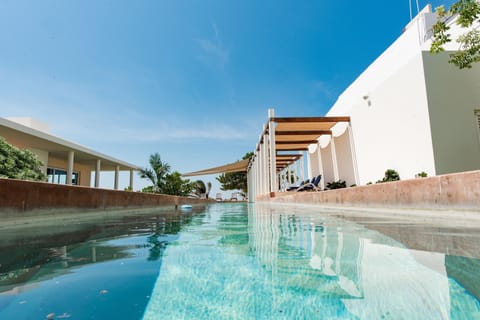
[
  {"x": 453, "y": 96},
  {"x": 388, "y": 107}
]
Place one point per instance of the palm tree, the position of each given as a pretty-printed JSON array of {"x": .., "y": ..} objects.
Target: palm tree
[
  {"x": 199, "y": 188},
  {"x": 209, "y": 187},
  {"x": 157, "y": 173}
]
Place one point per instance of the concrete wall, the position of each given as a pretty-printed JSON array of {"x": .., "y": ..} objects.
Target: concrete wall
[
  {"x": 17, "y": 197},
  {"x": 453, "y": 97},
  {"x": 460, "y": 190}
]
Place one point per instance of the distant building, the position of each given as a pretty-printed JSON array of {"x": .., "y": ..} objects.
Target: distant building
[{"x": 64, "y": 162}]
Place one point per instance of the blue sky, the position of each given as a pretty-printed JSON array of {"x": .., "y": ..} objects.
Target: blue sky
[{"x": 189, "y": 79}]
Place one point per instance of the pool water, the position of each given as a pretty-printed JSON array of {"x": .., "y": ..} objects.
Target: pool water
[{"x": 239, "y": 261}]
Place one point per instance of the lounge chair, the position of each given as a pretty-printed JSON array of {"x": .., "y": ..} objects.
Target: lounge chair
[
  {"x": 312, "y": 186},
  {"x": 293, "y": 188}
]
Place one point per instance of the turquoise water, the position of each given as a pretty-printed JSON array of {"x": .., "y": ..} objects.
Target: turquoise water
[{"x": 235, "y": 261}]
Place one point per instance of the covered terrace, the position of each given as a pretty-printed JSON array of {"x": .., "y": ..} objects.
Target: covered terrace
[
  {"x": 284, "y": 142},
  {"x": 64, "y": 162}
]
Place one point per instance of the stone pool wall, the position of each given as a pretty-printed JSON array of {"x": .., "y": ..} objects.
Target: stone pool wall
[
  {"x": 459, "y": 190},
  {"x": 18, "y": 196}
]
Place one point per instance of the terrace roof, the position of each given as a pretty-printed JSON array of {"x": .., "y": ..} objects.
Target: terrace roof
[
  {"x": 297, "y": 133},
  {"x": 57, "y": 147}
]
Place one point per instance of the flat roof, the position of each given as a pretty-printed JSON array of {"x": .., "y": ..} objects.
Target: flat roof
[{"x": 58, "y": 147}]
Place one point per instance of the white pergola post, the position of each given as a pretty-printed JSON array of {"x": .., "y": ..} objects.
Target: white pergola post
[
  {"x": 271, "y": 140},
  {"x": 255, "y": 172},
  {"x": 320, "y": 166},
  {"x": 130, "y": 184},
  {"x": 295, "y": 175},
  {"x": 117, "y": 173},
  {"x": 97, "y": 173},
  {"x": 309, "y": 166},
  {"x": 336, "y": 176},
  {"x": 266, "y": 172},
  {"x": 302, "y": 168},
  {"x": 70, "y": 167},
  {"x": 260, "y": 169},
  {"x": 289, "y": 175},
  {"x": 354, "y": 156}
]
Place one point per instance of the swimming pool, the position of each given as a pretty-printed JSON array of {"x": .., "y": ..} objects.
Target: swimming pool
[{"x": 239, "y": 261}]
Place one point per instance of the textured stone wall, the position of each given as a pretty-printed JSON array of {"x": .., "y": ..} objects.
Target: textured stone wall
[{"x": 459, "y": 190}]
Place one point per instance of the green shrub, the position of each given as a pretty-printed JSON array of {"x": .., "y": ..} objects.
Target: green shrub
[
  {"x": 19, "y": 164},
  {"x": 422, "y": 174},
  {"x": 336, "y": 185},
  {"x": 390, "y": 175}
]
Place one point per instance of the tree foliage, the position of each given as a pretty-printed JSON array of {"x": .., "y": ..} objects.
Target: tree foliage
[
  {"x": 234, "y": 180},
  {"x": 156, "y": 173},
  {"x": 164, "y": 181},
  {"x": 201, "y": 189},
  {"x": 19, "y": 164},
  {"x": 468, "y": 12},
  {"x": 175, "y": 185}
]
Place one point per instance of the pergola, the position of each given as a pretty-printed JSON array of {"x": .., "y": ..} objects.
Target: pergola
[{"x": 283, "y": 142}]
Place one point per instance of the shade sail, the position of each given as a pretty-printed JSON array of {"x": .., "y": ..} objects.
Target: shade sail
[{"x": 239, "y": 166}]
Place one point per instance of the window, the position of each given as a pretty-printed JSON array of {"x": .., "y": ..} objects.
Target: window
[{"x": 59, "y": 176}]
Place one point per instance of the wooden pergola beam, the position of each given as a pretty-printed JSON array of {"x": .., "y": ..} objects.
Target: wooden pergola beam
[
  {"x": 291, "y": 149},
  {"x": 302, "y": 133},
  {"x": 311, "y": 119},
  {"x": 296, "y": 142}
]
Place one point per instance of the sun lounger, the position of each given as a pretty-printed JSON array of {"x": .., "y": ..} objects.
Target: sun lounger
[
  {"x": 312, "y": 186},
  {"x": 293, "y": 188}
]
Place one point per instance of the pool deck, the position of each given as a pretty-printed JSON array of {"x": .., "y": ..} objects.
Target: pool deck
[{"x": 460, "y": 191}]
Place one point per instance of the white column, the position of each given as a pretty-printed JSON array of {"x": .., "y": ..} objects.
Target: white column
[
  {"x": 320, "y": 166},
  {"x": 97, "y": 173},
  {"x": 266, "y": 170},
  {"x": 309, "y": 166},
  {"x": 255, "y": 172},
  {"x": 295, "y": 175},
  {"x": 70, "y": 167},
  {"x": 259, "y": 170},
  {"x": 273, "y": 165},
  {"x": 258, "y": 174},
  {"x": 302, "y": 169},
  {"x": 354, "y": 156},
  {"x": 336, "y": 176},
  {"x": 117, "y": 173},
  {"x": 289, "y": 175},
  {"x": 131, "y": 180}
]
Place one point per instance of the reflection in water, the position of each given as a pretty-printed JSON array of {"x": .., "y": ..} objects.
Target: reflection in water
[
  {"x": 75, "y": 268},
  {"x": 284, "y": 263},
  {"x": 374, "y": 276},
  {"x": 235, "y": 261}
]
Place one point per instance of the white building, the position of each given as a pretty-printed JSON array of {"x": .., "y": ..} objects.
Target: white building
[
  {"x": 64, "y": 162},
  {"x": 410, "y": 111}
]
